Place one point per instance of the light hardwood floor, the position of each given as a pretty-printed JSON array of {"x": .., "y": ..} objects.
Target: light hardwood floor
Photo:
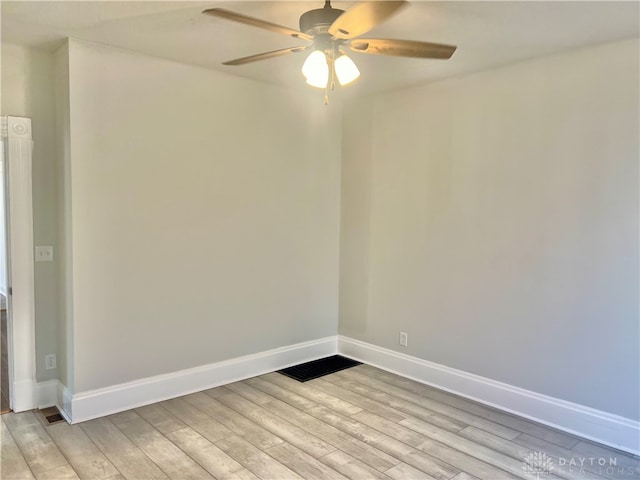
[{"x": 360, "y": 423}]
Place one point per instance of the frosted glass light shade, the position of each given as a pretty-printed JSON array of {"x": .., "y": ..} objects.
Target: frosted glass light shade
[
  {"x": 346, "y": 70},
  {"x": 316, "y": 69}
]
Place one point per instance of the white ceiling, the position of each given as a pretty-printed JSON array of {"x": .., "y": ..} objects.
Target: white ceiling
[{"x": 488, "y": 34}]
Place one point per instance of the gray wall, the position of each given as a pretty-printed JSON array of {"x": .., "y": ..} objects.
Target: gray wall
[
  {"x": 63, "y": 183},
  {"x": 494, "y": 218},
  {"x": 204, "y": 216}
]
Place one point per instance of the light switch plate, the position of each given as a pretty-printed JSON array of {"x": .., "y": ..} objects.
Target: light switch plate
[{"x": 44, "y": 254}]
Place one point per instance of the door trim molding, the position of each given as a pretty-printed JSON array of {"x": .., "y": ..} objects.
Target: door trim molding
[{"x": 16, "y": 134}]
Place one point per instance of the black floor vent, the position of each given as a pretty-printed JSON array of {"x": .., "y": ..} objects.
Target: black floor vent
[
  {"x": 55, "y": 418},
  {"x": 51, "y": 415},
  {"x": 318, "y": 368}
]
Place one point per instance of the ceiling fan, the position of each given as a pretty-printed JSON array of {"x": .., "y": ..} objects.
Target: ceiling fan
[{"x": 330, "y": 32}]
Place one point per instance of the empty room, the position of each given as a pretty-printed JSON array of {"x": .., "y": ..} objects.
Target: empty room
[{"x": 320, "y": 240}]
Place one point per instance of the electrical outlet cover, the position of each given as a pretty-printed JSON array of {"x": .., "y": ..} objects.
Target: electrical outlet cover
[
  {"x": 50, "y": 362},
  {"x": 44, "y": 254}
]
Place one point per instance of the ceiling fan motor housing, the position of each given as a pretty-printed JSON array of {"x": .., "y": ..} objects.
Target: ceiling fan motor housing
[{"x": 319, "y": 20}]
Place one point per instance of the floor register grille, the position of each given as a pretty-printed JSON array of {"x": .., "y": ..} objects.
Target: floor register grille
[{"x": 318, "y": 368}]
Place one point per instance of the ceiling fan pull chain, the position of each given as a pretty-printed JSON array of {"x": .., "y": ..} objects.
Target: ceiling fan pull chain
[{"x": 332, "y": 70}]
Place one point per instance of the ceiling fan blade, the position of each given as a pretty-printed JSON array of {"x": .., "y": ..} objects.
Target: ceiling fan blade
[
  {"x": 264, "y": 56},
  {"x": 256, "y": 22},
  {"x": 402, "y": 48},
  {"x": 363, "y": 16}
]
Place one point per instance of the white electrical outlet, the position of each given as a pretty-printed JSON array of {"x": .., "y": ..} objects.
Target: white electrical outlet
[
  {"x": 50, "y": 361},
  {"x": 404, "y": 339},
  {"x": 44, "y": 254}
]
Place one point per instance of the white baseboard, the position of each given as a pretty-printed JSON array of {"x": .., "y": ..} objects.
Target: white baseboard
[
  {"x": 586, "y": 422},
  {"x": 47, "y": 393},
  {"x": 87, "y": 405},
  {"x": 23, "y": 396},
  {"x": 64, "y": 401},
  {"x": 602, "y": 427},
  {"x": 52, "y": 393}
]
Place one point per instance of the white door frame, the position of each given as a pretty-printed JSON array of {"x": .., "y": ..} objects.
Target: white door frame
[{"x": 18, "y": 145}]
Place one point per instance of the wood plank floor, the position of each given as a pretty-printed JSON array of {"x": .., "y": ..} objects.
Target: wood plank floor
[{"x": 361, "y": 423}]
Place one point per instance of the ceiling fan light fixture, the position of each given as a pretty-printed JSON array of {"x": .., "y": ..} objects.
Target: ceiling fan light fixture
[
  {"x": 346, "y": 70},
  {"x": 328, "y": 30},
  {"x": 316, "y": 69}
]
